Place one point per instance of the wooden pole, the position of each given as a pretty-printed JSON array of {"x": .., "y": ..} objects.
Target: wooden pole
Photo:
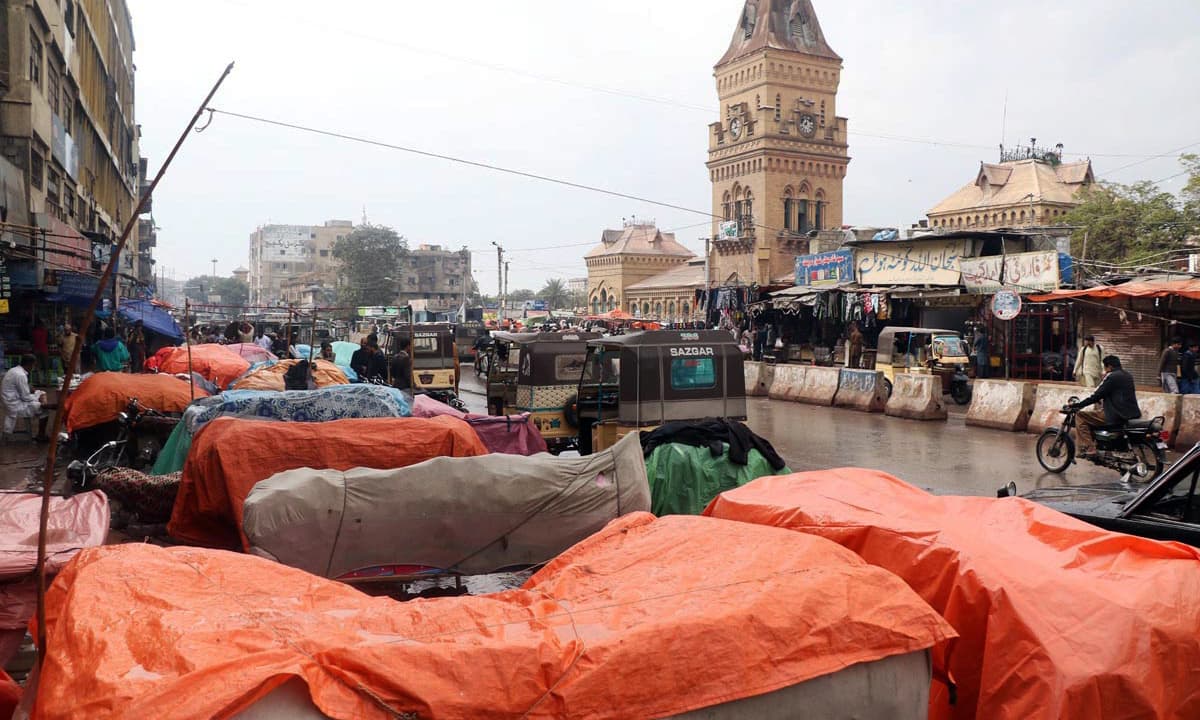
[
  {"x": 187, "y": 304},
  {"x": 288, "y": 338},
  {"x": 105, "y": 278}
]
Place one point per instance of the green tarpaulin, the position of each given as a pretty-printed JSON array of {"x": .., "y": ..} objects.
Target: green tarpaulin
[
  {"x": 685, "y": 479},
  {"x": 174, "y": 452}
]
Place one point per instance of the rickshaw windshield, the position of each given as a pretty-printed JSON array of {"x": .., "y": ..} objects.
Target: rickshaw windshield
[
  {"x": 602, "y": 367},
  {"x": 948, "y": 346},
  {"x": 567, "y": 368}
]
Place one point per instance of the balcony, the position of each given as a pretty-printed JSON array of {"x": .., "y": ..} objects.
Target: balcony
[{"x": 736, "y": 241}]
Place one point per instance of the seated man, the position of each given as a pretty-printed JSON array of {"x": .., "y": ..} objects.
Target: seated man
[
  {"x": 20, "y": 401},
  {"x": 1120, "y": 405}
]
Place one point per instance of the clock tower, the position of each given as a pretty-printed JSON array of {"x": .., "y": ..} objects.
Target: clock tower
[{"x": 778, "y": 154}]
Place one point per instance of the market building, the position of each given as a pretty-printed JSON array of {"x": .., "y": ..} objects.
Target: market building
[
  {"x": 670, "y": 296},
  {"x": 279, "y": 254},
  {"x": 1030, "y": 186},
  {"x": 626, "y": 257}
]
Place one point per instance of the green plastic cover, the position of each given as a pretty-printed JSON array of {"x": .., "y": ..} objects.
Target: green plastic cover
[
  {"x": 685, "y": 479},
  {"x": 174, "y": 452}
]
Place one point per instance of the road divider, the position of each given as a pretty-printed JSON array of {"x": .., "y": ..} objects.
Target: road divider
[
  {"x": 861, "y": 390},
  {"x": 819, "y": 386},
  {"x": 1162, "y": 404},
  {"x": 786, "y": 382},
  {"x": 1049, "y": 399},
  {"x": 1001, "y": 405},
  {"x": 758, "y": 378},
  {"x": 917, "y": 397}
]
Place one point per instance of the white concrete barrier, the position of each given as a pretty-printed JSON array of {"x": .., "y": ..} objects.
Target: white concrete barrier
[
  {"x": 862, "y": 390},
  {"x": 917, "y": 397},
  {"x": 1001, "y": 404}
]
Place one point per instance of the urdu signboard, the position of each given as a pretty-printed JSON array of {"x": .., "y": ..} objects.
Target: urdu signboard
[
  {"x": 918, "y": 262},
  {"x": 1022, "y": 272},
  {"x": 825, "y": 269}
]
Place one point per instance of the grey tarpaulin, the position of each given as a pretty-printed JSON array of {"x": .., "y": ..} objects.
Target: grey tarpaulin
[{"x": 467, "y": 515}]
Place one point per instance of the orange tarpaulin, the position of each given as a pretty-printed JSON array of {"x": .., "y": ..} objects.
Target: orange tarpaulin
[
  {"x": 270, "y": 377},
  {"x": 1189, "y": 288},
  {"x": 229, "y": 455},
  {"x": 1057, "y": 618},
  {"x": 100, "y": 397},
  {"x": 217, "y": 363},
  {"x": 647, "y": 618}
]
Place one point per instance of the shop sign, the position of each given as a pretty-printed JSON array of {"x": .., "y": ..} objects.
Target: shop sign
[
  {"x": 729, "y": 230},
  {"x": 921, "y": 262},
  {"x": 1023, "y": 273},
  {"x": 825, "y": 269},
  {"x": 1006, "y": 305}
]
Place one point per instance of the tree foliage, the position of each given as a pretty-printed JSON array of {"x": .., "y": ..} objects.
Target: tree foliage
[
  {"x": 555, "y": 294},
  {"x": 370, "y": 262},
  {"x": 1128, "y": 225},
  {"x": 231, "y": 290},
  {"x": 521, "y": 295}
]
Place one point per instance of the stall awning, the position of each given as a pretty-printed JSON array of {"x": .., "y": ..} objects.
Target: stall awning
[
  {"x": 154, "y": 319},
  {"x": 1187, "y": 288}
]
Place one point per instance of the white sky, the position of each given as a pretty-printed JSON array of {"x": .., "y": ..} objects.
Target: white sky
[{"x": 1116, "y": 80}]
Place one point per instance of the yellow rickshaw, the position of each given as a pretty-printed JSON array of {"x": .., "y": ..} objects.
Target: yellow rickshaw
[{"x": 925, "y": 351}]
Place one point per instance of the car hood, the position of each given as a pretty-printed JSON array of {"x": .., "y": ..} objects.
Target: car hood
[{"x": 1106, "y": 500}]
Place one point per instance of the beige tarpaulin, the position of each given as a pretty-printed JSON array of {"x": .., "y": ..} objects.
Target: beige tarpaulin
[{"x": 469, "y": 515}]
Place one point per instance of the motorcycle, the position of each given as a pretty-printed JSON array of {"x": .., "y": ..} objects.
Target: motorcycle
[
  {"x": 1138, "y": 450},
  {"x": 129, "y": 449}
]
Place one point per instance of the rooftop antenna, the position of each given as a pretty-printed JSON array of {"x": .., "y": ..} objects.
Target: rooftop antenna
[{"x": 1004, "y": 121}]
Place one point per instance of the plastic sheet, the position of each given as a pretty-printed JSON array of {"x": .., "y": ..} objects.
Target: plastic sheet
[
  {"x": 217, "y": 363},
  {"x": 647, "y": 618},
  {"x": 103, "y": 396},
  {"x": 1058, "y": 618},
  {"x": 685, "y": 479},
  {"x": 229, "y": 456},
  {"x": 270, "y": 376}
]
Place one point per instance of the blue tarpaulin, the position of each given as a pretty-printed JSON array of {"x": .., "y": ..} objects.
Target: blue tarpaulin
[{"x": 154, "y": 319}]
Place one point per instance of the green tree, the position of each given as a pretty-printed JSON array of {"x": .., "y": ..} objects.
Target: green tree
[
  {"x": 369, "y": 272},
  {"x": 521, "y": 295},
  {"x": 555, "y": 294},
  {"x": 231, "y": 290},
  {"x": 1128, "y": 225}
]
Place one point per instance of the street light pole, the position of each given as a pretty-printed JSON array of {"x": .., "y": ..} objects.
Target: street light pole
[
  {"x": 214, "y": 262},
  {"x": 499, "y": 281}
]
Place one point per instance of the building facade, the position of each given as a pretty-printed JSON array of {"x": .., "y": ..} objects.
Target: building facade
[
  {"x": 778, "y": 154},
  {"x": 280, "y": 254},
  {"x": 624, "y": 257},
  {"x": 668, "y": 296},
  {"x": 437, "y": 275},
  {"x": 69, "y": 142},
  {"x": 1029, "y": 187}
]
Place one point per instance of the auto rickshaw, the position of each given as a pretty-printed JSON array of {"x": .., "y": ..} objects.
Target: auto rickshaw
[
  {"x": 434, "y": 359},
  {"x": 925, "y": 351},
  {"x": 538, "y": 373},
  {"x": 644, "y": 379}
]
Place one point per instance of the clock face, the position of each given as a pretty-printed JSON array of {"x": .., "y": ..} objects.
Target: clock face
[
  {"x": 735, "y": 127},
  {"x": 807, "y": 124}
]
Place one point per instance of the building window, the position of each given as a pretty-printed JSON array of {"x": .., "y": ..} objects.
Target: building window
[
  {"x": 645, "y": 309},
  {"x": 778, "y": 108},
  {"x": 803, "y": 225},
  {"x": 52, "y": 87},
  {"x": 324, "y": 253},
  {"x": 69, "y": 16},
  {"x": 671, "y": 309},
  {"x": 687, "y": 310},
  {"x": 35, "y": 59},
  {"x": 36, "y": 168},
  {"x": 818, "y": 215},
  {"x": 787, "y": 213},
  {"x": 52, "y": 187}
]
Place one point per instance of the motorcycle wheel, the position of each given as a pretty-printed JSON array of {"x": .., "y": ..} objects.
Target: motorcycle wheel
[
  {"x": 1147, "y": 455},
  {"x": 1055, "y": 451},
  {"x": 887, "y": 387},
  {"x": 961, "y": 393}
]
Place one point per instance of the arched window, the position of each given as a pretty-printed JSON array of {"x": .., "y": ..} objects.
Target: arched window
[
  {"x": 789, "y": 209},
  {"x": 595, "y": 306},
  {"x": 603, "y": 298},
  {"x": 727, "y": 206},
  {"x": 778, "y": 108},
  {"x": 687, "y": 311},
  {"x": 747, "y": 214},
  {"x": 819, "y": 211},
  {"x": 1022, "y": 216},
  {"x": 645, "y": 309},
  {"x": 671, "y": 310},
  {"x": 658, "y": 310}
]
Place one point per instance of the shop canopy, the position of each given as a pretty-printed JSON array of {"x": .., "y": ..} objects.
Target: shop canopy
[
  {"x": 153, "y": 318},
  {"x": 1186, "y": 288}
]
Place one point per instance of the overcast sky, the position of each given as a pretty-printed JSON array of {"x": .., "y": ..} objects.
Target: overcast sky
[{"x": 541, "y": 86}]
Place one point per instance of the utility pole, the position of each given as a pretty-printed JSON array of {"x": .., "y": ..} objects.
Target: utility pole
[
  {"x": 214, "y": 262},
  {"x": 505, "y": 300},
  {"x": 499, "y": 281}
]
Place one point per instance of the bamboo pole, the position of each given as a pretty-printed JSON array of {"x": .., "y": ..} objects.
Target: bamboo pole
[
  {"x": 188, "y": 340},
  {"x": 105, "y": 278}
]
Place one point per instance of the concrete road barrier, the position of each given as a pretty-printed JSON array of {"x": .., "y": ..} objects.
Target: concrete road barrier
[
  {"x": 786, "y": 382},
  {"x": 820, "y": 385},
  {"x": 1001, "y": 404},
  {"x": 758, "y": 378},
  {"x": 1048, "y": 401},
  {"x": 917, "y": 397},
  {"x": 861, "y": 390},
  {"x": 1189, "y": 423},
  {"x": 1168, "y": 406}
]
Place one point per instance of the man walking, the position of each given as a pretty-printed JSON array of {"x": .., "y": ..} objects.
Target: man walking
[
  {"x": 1088, "y": 365},
  {"x": 1120, "y": 406},
  {"x": 1189, "y": 379},
  {"x": 1168, "y": 366}
]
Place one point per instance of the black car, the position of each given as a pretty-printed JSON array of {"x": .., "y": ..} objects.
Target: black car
[{"x": 1166, "y": 509}]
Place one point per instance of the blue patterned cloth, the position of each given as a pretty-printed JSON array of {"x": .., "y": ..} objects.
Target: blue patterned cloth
[{"x": 336, "y": 402}]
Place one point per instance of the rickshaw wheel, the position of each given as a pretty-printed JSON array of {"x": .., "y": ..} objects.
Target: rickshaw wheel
[
  {"x": 571, "y": 411},
  {"x": 887, "y": 387}
]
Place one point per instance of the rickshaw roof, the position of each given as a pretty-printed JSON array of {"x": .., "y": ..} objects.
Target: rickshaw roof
[
  {"x": 928, "y": 331},
  {"x": 658, "y": 338},
  {"x": 534, "y": 338},
  {"x": 425, "y": 328}
]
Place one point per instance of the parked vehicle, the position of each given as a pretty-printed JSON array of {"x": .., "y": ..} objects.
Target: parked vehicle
[
  {"x": 1138, "y": 449},
  {"x": 641, "y": 380},
  {"x": 465, "y": 334},
  {"x": 434, "y": 356},
  {"x": 139, "y": 439},
  {"x": 1166, "y": 509},
  {"x": 925, "y": 351},
  {"x": 539, "y": 373}
]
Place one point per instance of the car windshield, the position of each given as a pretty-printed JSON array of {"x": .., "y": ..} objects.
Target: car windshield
[{"x": 1176, "y": 500}]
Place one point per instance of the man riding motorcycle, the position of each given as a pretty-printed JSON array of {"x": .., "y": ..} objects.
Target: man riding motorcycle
[{"x": 1120, "y": 405}]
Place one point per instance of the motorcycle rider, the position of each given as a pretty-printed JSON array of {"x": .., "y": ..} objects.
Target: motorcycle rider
[{"x": 1120, "y": 406}]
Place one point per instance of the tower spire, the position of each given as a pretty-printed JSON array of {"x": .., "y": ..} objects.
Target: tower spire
[{"x": 779, "y": 24}]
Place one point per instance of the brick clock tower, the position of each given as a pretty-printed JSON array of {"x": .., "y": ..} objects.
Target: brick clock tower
[{"x": 778, "y": 155}]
